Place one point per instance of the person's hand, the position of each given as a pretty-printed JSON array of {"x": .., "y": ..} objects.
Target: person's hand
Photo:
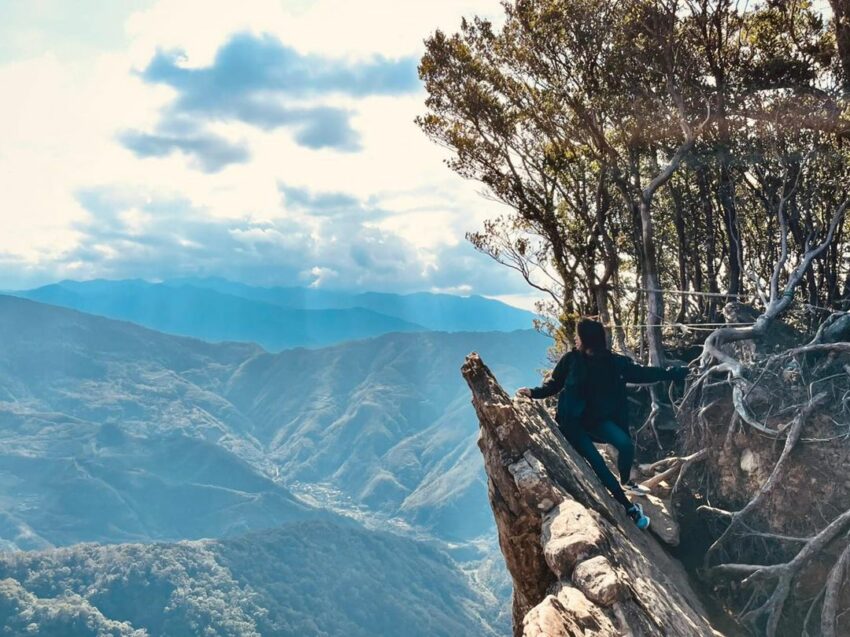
[
  {"x": 679, "y": 373},
  {"x": 524, "y": 391}
]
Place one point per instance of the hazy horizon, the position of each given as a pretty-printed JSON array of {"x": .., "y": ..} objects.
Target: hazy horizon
[{"x": 519, "y": 301}]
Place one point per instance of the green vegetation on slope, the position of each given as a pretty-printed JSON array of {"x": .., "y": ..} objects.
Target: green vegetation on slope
[{"x": 311, "y": 578}]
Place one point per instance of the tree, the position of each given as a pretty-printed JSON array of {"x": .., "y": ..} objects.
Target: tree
[
  {"x": 693, "y": 146},
  {"x": 640, "y": 146}
]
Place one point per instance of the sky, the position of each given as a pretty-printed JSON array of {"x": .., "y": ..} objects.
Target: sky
[{"x": 266, "y": 141}]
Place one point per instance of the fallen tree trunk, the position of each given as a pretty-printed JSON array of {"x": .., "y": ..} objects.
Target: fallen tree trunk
[{"x": 578, "y": 563}]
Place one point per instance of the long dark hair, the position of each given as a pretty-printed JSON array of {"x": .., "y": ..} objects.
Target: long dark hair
[{"x": 592, "y": 335}]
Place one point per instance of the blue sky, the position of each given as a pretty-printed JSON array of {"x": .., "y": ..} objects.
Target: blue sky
[{"x": 270, "y": 141}]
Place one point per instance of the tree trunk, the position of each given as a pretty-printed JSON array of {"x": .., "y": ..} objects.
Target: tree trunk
[
  {"x": 710, "y": 245},
  {"x": 682, "y": 252},
  {"x": 730, "y": 217},
  {"x": 841, "y": 11},
  {"x": 652, "y": 286}
]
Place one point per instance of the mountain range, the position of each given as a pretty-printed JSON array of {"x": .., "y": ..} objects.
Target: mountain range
[
  {"x": 109, "y": 412},
  {"x": 278, "y": 317},
  {"x": 115, "y": 433}
]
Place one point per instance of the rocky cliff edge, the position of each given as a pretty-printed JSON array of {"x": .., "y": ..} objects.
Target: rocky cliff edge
[{"x": 580, "y": 567}]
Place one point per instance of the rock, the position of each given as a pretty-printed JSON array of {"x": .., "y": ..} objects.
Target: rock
[
  {"x": 569, "y": 535},
  {"x": 568, "y": 614},
  {"x": 533, "y": 482},
  {"x": 548, "y": 619},
  {"x": 528, "y": 462},
  {"x": 663, "y": 525},
  {"x": 749, "y": 461},
  {"x": 598, "y": 580},
  {"x": 837, "y": 331}
]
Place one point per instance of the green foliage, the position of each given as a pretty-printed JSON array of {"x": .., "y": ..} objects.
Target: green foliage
[
  {"x": 650, "y": 144},
  {"x": 320, "y": 579}
]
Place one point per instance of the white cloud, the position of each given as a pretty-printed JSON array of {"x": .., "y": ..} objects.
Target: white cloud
[
  {"x": 460, "y": 290},
  {"x": 60, "y": 118},
  {"x": 522, "y": 301},
  {"x": 52, "y": 126},
  {"x": 426, "y": 229},
  {"x": 322, "y": 276},
  {"x": 330, "y": 27}
]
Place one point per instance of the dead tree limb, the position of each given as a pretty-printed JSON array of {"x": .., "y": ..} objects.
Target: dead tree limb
[
  {"x": 832, "y": 592},
  {"x": 674, "y": 466},
  {"x": 687, "y": 463},
  {"x": 712, "y": 349},
  {"x": 781, "y": 575}
]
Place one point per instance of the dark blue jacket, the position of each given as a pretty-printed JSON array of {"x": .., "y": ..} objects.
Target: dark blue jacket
[{"x": 570, "y": 377}]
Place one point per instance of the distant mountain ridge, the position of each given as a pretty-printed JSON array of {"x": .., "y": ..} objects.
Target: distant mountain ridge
[
  {"x": 437, "y": 312},
  {"x": 217, "y": 317},
  {"x": 276, "y": 318},
  {"x": 97, "y": 410}
]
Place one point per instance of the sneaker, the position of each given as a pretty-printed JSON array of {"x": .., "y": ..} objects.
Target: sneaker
[
  {"x": 634, "y": 488},
  {"x": 636, "y": 513}
]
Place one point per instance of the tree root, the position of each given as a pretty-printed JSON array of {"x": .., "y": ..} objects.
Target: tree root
[
  {"x": 829, "y": 612},
  {"x": 770, "y": 584},
  {"x": 796, "y": 428},
  {"x": 654, "y": 481},
  {"x": 687, "y": 463},
  {"x": 760, "y": 577},
  {"x": 659, "y": 465},
  {"x": 655, "y": 410}
]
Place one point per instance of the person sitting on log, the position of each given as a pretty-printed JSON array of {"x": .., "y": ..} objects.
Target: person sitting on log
[{"x": 593, "y": 406}]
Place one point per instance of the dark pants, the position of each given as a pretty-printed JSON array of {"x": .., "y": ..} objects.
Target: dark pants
[{"x": 608, "y": 432}]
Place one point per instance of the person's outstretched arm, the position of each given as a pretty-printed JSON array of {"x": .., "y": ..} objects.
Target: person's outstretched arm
[
  {"x": 553, "y": 384},
  {"x": 645, "y": 374}
]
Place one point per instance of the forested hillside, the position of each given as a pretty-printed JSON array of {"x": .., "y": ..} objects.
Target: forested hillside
[
  {"x": 315, "y": 578},
  {"x": 115, "y": 433}
]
